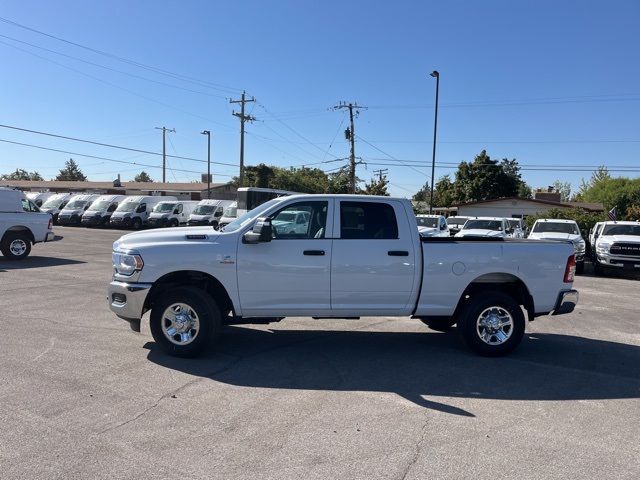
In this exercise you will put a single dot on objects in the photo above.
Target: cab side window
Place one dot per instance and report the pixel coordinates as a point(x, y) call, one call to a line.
point(179, 209)
point(303, 220)
point(28, 206)
point(367, 221)
point(142, 208)
point(112, 207)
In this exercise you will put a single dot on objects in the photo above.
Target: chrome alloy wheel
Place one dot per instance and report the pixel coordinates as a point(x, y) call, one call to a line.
point(18, 247)
point(494, 325)
point(180, 324)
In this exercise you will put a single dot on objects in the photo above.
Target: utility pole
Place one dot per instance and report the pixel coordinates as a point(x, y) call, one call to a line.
point(243, 118)
point(350, 134)
point(435, 74)
point(208, 134)
point(381, 172)
point(164, 150)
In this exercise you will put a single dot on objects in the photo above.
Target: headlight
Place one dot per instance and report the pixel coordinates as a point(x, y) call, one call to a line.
point(126, 263)
point(579, 247)
point(602, 247)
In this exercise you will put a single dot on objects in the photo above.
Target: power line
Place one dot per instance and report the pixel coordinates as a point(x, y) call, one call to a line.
point(161, 71)
point(390, 156)
point(542, 169)
point(350, 134)
point(108, 145)
point(243, 118)
point(88, 156)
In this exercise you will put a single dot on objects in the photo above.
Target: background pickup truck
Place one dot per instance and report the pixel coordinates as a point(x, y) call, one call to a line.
point(21, 224)
point(358, 256)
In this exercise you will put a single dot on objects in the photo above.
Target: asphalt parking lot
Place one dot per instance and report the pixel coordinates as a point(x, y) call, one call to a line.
point(82, 396)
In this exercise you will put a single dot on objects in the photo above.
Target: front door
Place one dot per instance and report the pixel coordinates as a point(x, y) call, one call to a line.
point(290, 275)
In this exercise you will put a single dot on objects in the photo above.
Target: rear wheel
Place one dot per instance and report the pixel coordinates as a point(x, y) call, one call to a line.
point(15, 246)
point(492, 324)
point(438, 324)
point(184, 321)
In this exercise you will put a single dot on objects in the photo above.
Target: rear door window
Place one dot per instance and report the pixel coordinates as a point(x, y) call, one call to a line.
point(367, 221)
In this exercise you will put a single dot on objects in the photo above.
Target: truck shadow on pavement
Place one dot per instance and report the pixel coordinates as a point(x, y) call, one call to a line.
point(417, 366)
point(35, 262)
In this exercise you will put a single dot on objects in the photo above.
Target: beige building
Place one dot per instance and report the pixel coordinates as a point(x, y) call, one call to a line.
point(183, 191)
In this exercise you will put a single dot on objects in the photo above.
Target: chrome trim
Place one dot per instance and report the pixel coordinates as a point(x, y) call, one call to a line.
point(567, 301)
point(135, 293)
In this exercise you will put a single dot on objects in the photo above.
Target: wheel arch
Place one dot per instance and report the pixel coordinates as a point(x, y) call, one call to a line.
point(506, 283)
point(193, 278)
point(20, 229)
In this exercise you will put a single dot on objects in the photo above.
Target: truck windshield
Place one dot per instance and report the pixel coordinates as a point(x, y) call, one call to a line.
point(164, 207)
point(76, 204)
point(621, 230)
point(456, 221)
point(242, 220)
point(556, 227)
point(52, 202)
point(230, 212)
point(483, 225)
point(101, 205)
point(127, 207)
point(427, 222)
point(204, 209)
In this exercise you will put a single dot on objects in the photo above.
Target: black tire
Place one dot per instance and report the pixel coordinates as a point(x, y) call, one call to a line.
point(204, 307)
point(12, 241)
point(580, 268)
point(173, 223)
point(438, 324)
point(470, 330)
point(598, 271)
point(136, 224)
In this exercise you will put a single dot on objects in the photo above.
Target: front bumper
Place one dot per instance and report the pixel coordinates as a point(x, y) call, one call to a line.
point(158, 222)
point(192, 223)
point(618, 261)
point(126, 300)
point(50, 237)
point(69, 219)
point(566, 302)
point(120, 221)
point(94, 220)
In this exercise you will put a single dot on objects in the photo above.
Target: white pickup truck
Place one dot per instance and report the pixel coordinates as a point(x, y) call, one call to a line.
point(358, 256)
point(21, 224)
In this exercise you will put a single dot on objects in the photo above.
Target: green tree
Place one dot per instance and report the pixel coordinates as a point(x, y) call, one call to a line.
point(564, 189)
point(486, 179)
point(71, 172)
point(620, 192)
point(524, 191)
point(338, 182)
point(423, 194)
point(21, 174)
point(443, 192)
point(376, 186)
point(142, 177)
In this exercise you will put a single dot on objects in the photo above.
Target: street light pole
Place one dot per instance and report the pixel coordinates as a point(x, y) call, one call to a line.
point(436, 75)
point(208, 134)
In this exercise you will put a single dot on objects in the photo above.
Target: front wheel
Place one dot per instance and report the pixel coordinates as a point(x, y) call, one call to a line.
point(173, 222)
point(136, 224)
point(184, 321)
point(492, 324)
point(15, 246)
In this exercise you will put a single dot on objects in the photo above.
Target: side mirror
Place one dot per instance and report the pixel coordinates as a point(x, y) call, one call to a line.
point(261, 232)
point(175, 212)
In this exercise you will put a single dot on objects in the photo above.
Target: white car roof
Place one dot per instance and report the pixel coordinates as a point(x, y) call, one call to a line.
point(625, 222)
point(555, 220)
point(487, 218)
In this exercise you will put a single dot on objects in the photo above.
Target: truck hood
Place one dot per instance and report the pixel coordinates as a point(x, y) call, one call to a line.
point(575, 238)
point(77, 211)
point(159, 215)
point(478, 232)
point(174, 236)
point(193, 216)
point(620, 238)
point(428, 231)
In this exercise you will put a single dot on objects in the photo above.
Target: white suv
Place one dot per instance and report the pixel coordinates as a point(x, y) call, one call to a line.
point(618, 246)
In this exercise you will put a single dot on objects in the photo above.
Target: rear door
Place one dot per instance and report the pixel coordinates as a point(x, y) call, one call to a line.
point(373, 265)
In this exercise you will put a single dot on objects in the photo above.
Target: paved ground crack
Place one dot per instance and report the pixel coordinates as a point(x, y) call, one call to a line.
point(418, 450)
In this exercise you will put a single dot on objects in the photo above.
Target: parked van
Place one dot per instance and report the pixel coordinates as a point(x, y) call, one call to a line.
point(55, 203)
point(171, 214)
point(72, 213)
point(208, 212)
point(99, 213)
point(38, 198)
point(229, 214)
point(133, 212)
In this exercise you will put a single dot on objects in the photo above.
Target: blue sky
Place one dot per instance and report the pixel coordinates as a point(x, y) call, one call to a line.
point(552, 84)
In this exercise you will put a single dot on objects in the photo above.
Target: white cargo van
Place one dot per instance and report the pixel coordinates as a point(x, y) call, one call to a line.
point(99, 213)
point(208, 212)
point(55, 203)
point(171, 214)
point(72, 213)
point(133, 212)
point(38, 198)
point(229, 214)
